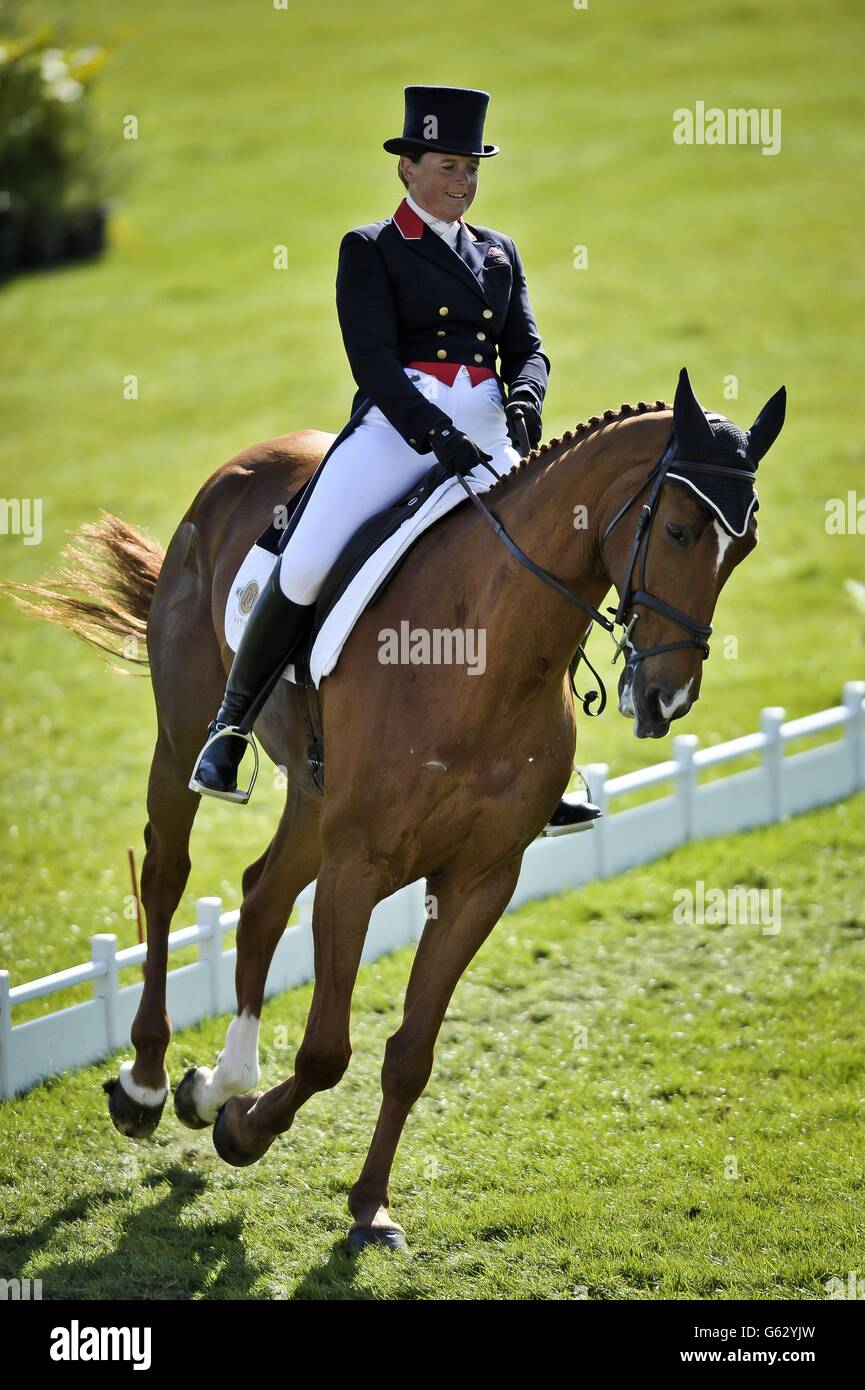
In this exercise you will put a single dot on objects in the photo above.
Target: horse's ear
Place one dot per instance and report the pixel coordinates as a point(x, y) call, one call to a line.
point(693, 431)
point(767, 426)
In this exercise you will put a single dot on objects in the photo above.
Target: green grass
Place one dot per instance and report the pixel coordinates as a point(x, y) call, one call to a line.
point(533, 1166)
point(267, 129)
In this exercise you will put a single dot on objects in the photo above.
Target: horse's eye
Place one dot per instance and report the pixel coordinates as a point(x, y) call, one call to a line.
point(677, 533)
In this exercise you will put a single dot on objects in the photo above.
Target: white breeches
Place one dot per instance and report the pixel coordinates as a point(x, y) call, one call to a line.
point(374, 467)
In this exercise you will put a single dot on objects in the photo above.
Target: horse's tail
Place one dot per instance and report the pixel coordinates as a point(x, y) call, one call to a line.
point(103, 590)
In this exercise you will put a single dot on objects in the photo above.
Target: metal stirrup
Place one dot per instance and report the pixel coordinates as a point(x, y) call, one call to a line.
point(240, 795)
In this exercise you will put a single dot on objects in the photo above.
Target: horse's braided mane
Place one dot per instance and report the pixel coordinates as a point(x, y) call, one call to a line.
point(580, 432)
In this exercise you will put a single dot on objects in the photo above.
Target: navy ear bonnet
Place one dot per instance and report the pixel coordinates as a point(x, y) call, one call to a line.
point(732, 499)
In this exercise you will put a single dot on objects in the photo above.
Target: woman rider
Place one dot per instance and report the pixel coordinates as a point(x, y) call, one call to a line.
point(424, 300)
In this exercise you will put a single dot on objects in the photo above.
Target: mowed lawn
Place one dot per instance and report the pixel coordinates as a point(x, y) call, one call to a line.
point(621, 1107)
point(530, 1166)
point(265, 128)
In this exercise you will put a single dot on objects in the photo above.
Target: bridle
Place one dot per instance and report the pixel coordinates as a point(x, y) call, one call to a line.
point(701, 632)
point(631, 597)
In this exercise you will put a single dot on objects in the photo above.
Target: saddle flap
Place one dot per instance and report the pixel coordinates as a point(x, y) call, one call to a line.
point(363, 569)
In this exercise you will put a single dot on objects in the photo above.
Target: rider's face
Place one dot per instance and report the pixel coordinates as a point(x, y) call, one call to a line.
point(443, 184)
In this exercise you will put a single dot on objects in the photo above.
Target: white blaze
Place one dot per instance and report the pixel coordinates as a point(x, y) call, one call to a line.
point(724, 539)
point(680, 698)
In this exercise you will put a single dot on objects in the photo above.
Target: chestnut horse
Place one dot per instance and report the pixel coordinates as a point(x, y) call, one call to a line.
point(430, 774)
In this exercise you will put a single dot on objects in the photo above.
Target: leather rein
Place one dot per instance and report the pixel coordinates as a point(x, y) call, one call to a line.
point(700, 632)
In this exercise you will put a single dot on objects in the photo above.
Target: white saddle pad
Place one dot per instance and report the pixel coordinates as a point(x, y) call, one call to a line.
point(259, 563)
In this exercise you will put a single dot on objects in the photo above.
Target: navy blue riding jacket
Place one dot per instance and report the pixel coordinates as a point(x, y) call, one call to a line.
point(403, 295)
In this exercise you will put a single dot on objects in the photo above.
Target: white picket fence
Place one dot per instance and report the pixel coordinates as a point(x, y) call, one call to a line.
point(780, 786)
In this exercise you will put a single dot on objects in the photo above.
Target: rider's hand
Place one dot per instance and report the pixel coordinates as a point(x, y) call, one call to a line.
point(455, 450)
point(532, 416)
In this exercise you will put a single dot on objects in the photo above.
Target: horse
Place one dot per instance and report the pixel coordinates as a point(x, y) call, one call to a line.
point(430, 774)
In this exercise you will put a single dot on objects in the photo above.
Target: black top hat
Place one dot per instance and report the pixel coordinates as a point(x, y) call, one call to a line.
point(449, 119)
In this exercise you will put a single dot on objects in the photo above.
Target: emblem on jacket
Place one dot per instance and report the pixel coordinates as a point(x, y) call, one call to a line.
point(497, 256)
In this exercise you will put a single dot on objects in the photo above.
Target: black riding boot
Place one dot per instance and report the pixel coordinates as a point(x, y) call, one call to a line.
point(572, 815)
point(573, 812)
point(273, 631)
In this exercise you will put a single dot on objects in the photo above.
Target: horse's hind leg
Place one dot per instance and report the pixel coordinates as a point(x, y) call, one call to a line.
point(465, 917)
point(137, 1097)
point(270, 887)
point(187, 675)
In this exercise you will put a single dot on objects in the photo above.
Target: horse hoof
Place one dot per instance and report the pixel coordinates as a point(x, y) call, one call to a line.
point(225, 1144)
point(130, 1117)
point(184, 1103)
point(388, 1237)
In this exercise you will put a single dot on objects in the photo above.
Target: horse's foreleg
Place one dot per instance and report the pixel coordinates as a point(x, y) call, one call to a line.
point(270, 887)
point(465, 915)
point(346, 892)
point(137, 1097)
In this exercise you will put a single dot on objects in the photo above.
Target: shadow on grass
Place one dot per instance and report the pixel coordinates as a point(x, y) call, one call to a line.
point(154, 1256)
point(335, 1279)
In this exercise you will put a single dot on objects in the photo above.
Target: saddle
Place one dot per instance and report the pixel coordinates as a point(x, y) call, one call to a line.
point(363, 544)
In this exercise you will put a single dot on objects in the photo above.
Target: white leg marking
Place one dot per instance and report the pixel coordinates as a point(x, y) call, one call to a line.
point(680, 698)
point(724, 539)
point(144, 1095)
point(236, 1068)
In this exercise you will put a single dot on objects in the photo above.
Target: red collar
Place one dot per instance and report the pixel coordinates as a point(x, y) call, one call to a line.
point(411, 226)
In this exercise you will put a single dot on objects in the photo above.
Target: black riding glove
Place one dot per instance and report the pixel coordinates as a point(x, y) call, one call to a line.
point(532, 417)
point(455, 450)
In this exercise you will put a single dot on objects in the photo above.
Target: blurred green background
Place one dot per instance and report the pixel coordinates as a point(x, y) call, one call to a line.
point(260, 127)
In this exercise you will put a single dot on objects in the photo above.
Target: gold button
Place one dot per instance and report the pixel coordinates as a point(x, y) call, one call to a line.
point(440, 333)
point(444, 309)
point(412, 441)
point(488, 313)
point(441, 353)
point(478, 357)
point(483, 337)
